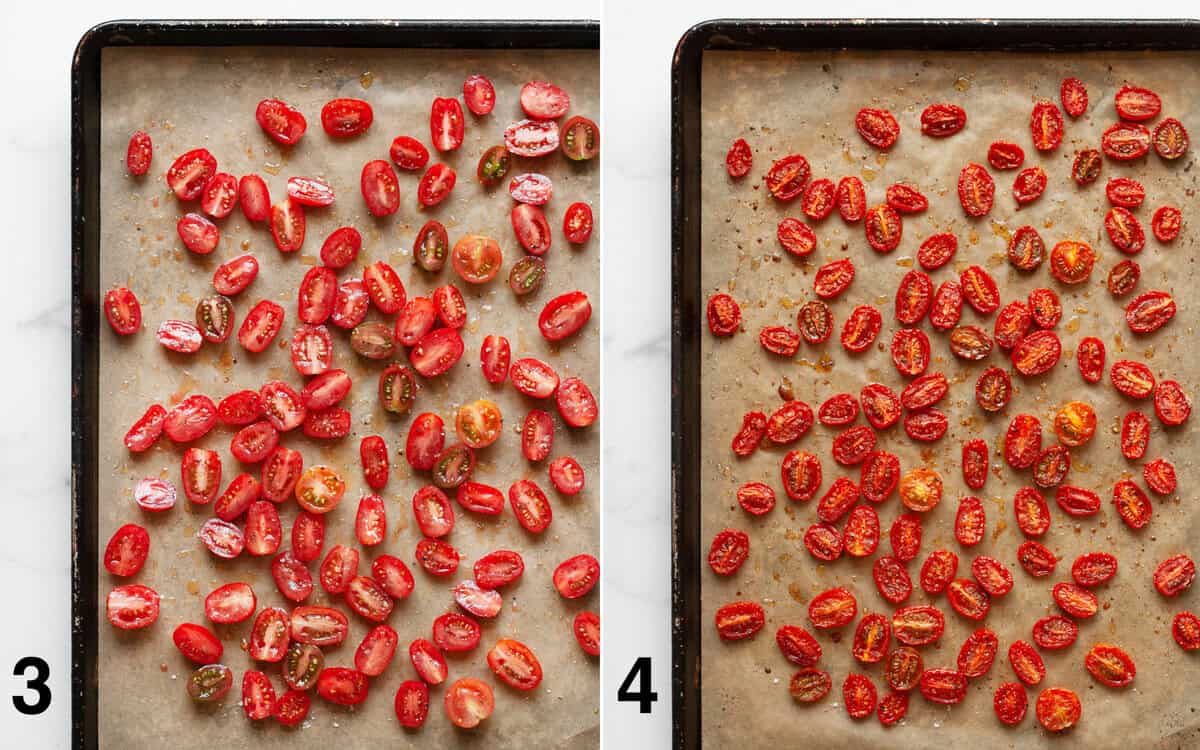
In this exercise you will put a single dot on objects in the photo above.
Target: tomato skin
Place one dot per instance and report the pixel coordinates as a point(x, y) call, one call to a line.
point(380, 188)
point(190, 172)
point(577, 223)
point(739, 159)
point(446, 124)
point(738, 621)
point(412, 704)
point(976, 190)
point(942, 120)
point(408, 153)
point(877, 127)
point(346, 118)
point(132, 606)
point(788, 176)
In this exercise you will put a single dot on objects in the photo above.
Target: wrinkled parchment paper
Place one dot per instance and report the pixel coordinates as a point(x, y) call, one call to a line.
point(187, 98)
point(783, 103)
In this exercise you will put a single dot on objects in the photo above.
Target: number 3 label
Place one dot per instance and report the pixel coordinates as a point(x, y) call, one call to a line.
point(37, 683)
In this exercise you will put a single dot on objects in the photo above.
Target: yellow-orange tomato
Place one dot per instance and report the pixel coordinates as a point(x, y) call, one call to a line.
point(1075, 423)
point(921, 489)
point(478, 423)
point(319, 489)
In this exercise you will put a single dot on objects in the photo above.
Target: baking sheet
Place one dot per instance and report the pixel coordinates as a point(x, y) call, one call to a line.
point(784, 102)
point(190, 97)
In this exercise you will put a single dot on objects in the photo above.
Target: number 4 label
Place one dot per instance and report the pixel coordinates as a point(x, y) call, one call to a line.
point(643, 696)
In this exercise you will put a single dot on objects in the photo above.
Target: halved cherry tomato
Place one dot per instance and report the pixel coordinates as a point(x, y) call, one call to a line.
point(534, 138)
point(788, 176)
point(913, 296)
point(269, 635)
point(918, 625)
point(446, 124)
point(945, 686)
point(190, 172)
point(946, 308)
point(288, 225)
point(739, 159)
point(345, 118)
point(904, 667)
point(468, 702)
point(478, 601)
point(1029, 185)
point(818, 199)
point(968, 599)
point(892, 580)
point(815, 320)
point(976, 190)
point(577, 576)
point(291, 578)
point(979, 290)
point(1037, 353)
point(139, 153)
point(436, 184)
point(425, 441)
point(738, 621)
point(231, 603)
point(566, 475)
point(530, 506)
point(1170, 139)
point(1077, 501)
point(756, 498)
point(374, 654)
point(580, 139)
point(1046, 125)
point(479, 94)
point(884, 228)
point(970, 521)
point(564, 315)
point(938, 571)
point(577, 223)
point(978, 652)
point(1159, 476)
point(264, 532)
point(970, 343)
point(480, 498)
point(374, 340)
point(494, 357)
point(127, 550)
point(179, 336)
point(858, 693)
point(801, 472)
point(258, 696)
point(1132, 504)
point(308, 536)
point(941, 120)
point(222, 538)
point(851, 199)
point(201, 475)
point(991, 575)
point(810, 685)
point(861, 328)
point(209, 683)
point(1005, 155)
point(1074, 96)
point(393, 576)
point(1126, 141)
point(123, 311)
point(824, 542)
point(879, 475)
point(1135, 435)
point(1055, 632)
point(921, 489)
point(280, 472)
point(861, 537)
point(1185, 628)
point(408, 153)
point(214, 318)
point(319, 489)
point(514, 663)
point(498, 568)
point(242, 491)
point(798, 646)
point(312, 349)
point(345, 687)
point(412, 704)
point(1174, 575)
point(877, 127)
point(906, 199)
point(937, 250)
point(220, 196)
point(536, 378)
point(380, 188)
point(1086, 168)
point(1026, 249)
point(433, 512)
point(368, 599)
point(370, 522)
point(455, 633)
point(1166, 224)
point(910, 351)
point(260, 326)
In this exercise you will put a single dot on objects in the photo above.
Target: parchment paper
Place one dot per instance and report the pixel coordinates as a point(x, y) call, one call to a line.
point(783, 103)
point(187, 98)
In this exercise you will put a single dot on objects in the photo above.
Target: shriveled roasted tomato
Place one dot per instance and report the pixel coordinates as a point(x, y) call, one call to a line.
point(941, 120)
point(818, 199)
point(1126, 141)
point(979, 290)
point(728, 551)
point(975, 463)
point(1072, 262)
point(788, 176)
point(1185, 628)
point(809, 685)
point(756, 498)
point(906, 199)
point(884, 228)
point(881, 405)
point(991, 575)
point(1037, 353)
point(970, 343)
point(861, 328)
point(1077, 501)
point(739, 620)
point(789, 422)
point(779, 340)
point(1029, 185)
point(1036, 559)
point(937, 250)
point(1046, 125)
point(1026, 249)
point(837, 500)
point(859, 696)
point(976, 190)
point(796, 237)
point(978, 653)
point(905, 536)
point(1132, 504)
point(1055, 632)
point(833, 608)
point(968, 599)
point(1010, 703)
point(970, 522)
point(739, 159)
point(910, 351)
point(1174, 575)
point(1087, 165)
point(1075, 600)
point(1032, 511)
point(1166, 224)
point(921, 489)
point(852, 446)
point(1026, 663)
point(913, 296)
point(1074, 96)
point(839, 410)
point(1013, 322)
point(1135, 435)
point(801, 473)
point(1133, 379)
point(946, 309)
point(851, 199)
point(1089, 355)
point(1159, 476)
point(938, 571)
point(903, 669)
point(877, 127)
point(918, 625)
point(894, 584)
point(861, 537)
point(1094, 569)
point(1005, 155)
point(1171, 139)
point(833, 278)
point(724, 315)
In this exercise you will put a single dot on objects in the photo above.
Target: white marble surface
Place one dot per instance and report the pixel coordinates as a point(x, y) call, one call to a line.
point(36, 42)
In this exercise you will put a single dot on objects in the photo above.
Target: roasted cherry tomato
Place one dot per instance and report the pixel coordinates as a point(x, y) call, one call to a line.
point(877, 127)
point(739, 159)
